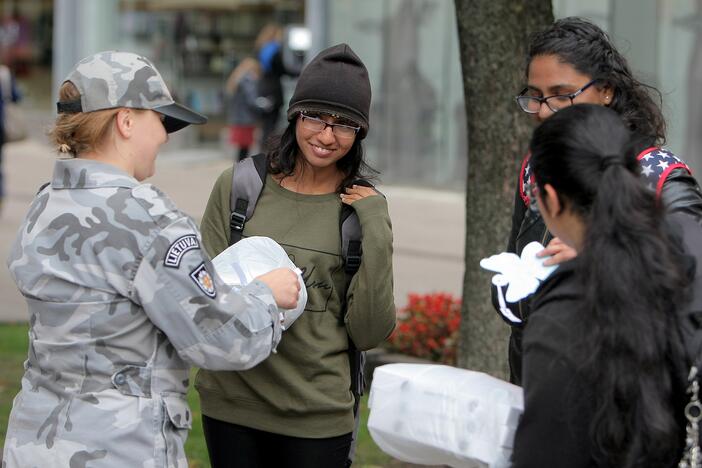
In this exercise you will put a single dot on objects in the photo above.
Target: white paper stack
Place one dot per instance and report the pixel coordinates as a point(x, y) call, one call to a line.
point(441, 415)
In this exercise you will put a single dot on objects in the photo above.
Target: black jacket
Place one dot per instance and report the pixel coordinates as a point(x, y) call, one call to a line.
point(680, 194)
point(558, 401)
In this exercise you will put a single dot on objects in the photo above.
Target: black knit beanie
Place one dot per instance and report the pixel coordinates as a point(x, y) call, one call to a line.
point(334, 82)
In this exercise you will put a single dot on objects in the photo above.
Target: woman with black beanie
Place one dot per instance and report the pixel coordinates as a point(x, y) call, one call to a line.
point(604, 371)
point(296, 409)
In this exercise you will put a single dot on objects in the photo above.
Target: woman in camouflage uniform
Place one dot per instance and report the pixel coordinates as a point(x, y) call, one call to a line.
point(121, 296)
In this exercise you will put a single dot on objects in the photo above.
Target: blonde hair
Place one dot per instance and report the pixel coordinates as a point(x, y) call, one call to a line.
point(81, 132)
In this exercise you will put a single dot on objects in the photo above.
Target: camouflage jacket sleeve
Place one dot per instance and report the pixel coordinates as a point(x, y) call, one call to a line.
point(210, 324)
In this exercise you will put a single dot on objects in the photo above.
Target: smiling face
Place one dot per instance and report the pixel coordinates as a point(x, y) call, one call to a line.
point(322, 149)
point(549, 76)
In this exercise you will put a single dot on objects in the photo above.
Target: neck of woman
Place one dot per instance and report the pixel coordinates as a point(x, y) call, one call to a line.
point(310, 180)
point(113, 158)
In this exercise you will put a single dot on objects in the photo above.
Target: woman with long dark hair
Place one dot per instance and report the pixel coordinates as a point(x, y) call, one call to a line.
point(602, 352)
point(296, 409)
point(573, 61)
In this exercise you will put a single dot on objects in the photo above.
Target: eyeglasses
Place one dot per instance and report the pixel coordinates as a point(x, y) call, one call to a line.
point(533, 191)
point(315, 124)
point(532, 104)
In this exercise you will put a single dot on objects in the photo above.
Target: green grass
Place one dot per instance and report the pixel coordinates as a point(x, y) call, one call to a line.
point(13, 352)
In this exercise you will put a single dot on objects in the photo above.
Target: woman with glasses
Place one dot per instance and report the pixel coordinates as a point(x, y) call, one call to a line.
point(571, 62)
point(604, 372)
point(296, 409)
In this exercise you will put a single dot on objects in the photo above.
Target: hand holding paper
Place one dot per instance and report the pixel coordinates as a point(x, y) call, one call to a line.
point(254, 256)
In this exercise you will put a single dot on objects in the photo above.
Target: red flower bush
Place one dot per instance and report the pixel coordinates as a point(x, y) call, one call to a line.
point(428, 327)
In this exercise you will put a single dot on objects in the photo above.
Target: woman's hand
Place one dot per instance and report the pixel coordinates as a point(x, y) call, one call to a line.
point(357, 192)
point(284, 285)
point(558, 252)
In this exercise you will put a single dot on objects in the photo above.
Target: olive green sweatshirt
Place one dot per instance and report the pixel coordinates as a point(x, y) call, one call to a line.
point(304, 389)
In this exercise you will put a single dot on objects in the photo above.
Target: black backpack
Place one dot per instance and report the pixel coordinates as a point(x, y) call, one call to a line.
point(248, 179)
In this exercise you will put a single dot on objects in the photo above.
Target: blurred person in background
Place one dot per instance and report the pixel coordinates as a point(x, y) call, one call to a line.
point(269, 52)
point(8, 93)
point(243, 111)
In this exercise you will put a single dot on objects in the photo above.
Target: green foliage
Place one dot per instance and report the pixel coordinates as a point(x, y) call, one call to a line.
point(13, 352)
point(427, 328)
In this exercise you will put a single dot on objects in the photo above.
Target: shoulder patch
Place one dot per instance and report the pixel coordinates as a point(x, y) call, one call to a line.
point(179, 248)
point(203, 280)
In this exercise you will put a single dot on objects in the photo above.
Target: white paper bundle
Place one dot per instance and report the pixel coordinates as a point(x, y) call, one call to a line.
point(441, 415)
point(254, 256)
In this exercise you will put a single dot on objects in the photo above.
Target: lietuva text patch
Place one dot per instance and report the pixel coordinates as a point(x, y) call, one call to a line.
point(204, 280)
point(178, 249)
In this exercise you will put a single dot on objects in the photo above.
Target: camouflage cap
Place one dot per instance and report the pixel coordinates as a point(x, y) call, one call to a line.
point(113, 79)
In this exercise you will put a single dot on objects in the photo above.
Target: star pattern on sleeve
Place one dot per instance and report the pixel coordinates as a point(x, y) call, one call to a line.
point(660, 162)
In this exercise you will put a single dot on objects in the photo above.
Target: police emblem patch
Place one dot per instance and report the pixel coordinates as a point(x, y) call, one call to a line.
point(204, 280)
point(179, 248)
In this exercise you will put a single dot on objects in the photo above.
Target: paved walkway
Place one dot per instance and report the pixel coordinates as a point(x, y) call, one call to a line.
point(428, 225)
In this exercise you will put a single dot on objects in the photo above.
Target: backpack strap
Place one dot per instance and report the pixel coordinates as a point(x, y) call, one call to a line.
point(351, 235)
point(350, 229)
point(248, 178)
point(357, 358)
point(351, 252)
point(656, 164)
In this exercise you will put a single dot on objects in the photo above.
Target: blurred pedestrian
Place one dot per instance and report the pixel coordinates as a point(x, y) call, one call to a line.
point(8, 93)
point(268, 47)
point(243, 111)
point(603, 361)
point(296, 408)
point(573, 61)
point(122, 298)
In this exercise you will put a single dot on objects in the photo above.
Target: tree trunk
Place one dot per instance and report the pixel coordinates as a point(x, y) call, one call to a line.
point(493, 36)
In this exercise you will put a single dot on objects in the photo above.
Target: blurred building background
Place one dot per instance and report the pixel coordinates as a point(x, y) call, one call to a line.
point(410, 47)
point(417, 138)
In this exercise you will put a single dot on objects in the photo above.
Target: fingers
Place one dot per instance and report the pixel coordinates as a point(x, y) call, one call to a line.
point(557, 253)
point(356, 192)
point(552, 248)
point(285, 286)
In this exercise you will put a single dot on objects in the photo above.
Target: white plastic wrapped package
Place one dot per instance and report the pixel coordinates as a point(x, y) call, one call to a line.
point(254, 256)
point(441, 415)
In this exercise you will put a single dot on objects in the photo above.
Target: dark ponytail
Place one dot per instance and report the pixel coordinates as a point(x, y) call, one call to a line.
point(589, 50)
point(632, 271)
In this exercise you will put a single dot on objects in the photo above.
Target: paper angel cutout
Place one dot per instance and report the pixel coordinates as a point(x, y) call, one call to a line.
point(522, 275)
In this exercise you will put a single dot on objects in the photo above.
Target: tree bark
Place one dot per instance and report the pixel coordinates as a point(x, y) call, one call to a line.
point(493, 36)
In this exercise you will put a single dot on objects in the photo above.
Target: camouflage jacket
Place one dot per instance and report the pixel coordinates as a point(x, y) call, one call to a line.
point(122, 299)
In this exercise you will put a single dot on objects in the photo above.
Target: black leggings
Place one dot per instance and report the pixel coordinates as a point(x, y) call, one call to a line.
point(234, 446)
